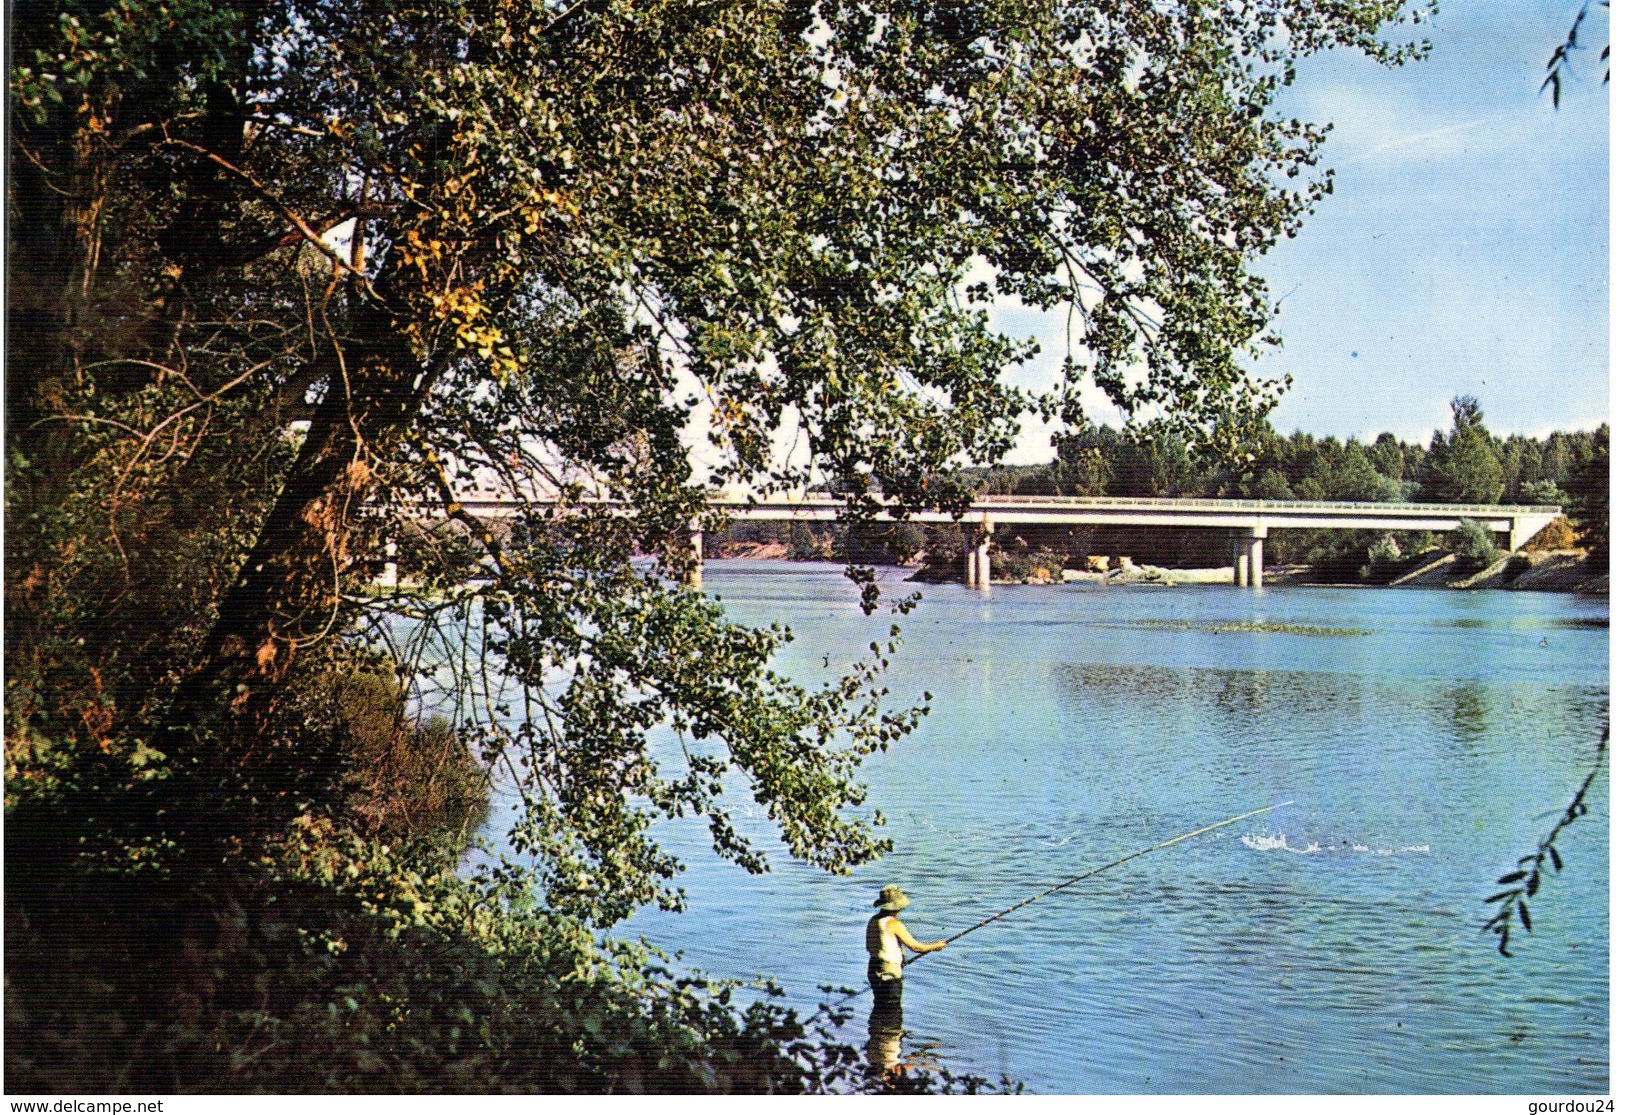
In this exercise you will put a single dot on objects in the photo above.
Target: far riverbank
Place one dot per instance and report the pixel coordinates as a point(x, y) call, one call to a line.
point(1542, 571)
point(1558, 570)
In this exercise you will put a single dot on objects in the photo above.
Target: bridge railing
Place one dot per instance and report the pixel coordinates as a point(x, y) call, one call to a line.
point(1198, 504)
point(1155, 502)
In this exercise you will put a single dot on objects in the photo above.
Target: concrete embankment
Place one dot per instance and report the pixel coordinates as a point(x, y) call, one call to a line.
point(1541, 571)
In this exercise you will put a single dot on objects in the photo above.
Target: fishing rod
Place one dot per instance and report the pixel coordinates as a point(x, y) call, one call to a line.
point(1099, 871)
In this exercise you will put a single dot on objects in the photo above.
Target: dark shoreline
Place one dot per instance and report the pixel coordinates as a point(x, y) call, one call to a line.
point(1542, 571)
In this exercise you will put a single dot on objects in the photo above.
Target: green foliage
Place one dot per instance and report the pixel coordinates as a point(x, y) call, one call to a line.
point(551, 222)
point(405, 775)
point(1523, 882)
point(1473, 546)
point(331, 964)
point(809, 545)
point(1463, 467)
point(1541, 493)
point(1027, 565)
point(1337, 556)
point(1097, 460)
point(1383, 560)
point(1590, 484)
point(1100, 461)
point(868, 543)
point(1272, 484)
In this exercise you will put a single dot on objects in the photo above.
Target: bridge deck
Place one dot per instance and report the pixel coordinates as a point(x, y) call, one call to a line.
point(1220, 513)
point(1518, 522)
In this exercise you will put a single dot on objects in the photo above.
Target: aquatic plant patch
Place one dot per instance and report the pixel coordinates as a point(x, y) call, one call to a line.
point(1252, 626)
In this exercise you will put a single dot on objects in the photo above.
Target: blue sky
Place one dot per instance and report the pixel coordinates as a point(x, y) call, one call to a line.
point(1464, 249)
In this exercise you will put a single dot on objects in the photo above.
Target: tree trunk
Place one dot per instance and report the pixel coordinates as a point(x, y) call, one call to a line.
point(287, 592)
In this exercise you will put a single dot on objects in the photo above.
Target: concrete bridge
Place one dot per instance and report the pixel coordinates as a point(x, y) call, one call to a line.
point(1249, 521)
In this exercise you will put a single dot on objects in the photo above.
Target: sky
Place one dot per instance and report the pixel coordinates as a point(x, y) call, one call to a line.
point(1464, 250)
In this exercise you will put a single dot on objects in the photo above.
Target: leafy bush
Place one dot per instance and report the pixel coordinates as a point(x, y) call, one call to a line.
point(1473, 546)
point(810, 544)
point(896, 543)
point(370, 979)
point(1383, 560)
point(1044, 565)
point(1542, 492)
point(329, 962)
point(405, 775)
point(1338, 560)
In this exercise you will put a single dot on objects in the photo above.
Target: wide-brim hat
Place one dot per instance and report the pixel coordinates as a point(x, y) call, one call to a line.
point(892, 899)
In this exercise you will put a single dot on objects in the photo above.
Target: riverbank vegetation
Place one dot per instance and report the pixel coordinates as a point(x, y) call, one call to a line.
point(288, 280)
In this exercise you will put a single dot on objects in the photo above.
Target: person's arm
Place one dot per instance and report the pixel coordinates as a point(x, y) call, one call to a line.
point(907, 938)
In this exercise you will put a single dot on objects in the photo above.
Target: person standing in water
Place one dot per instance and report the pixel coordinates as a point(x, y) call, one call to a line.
point(885, 937)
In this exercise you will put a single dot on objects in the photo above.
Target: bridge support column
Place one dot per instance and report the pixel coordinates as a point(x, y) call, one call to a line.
point(1238, 558)
point(696, 575)
point(1255, 555)
point(979, 556)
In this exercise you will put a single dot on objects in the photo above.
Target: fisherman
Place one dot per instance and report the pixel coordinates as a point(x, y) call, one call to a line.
point(885, 938)
point(886, 933)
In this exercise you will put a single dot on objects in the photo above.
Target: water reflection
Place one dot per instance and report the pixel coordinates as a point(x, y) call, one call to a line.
point(1469, 714)
point(896, 1064)
point(886, 1027)
point(1242, 691)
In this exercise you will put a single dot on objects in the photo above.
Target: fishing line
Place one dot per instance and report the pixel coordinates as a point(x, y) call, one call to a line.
point(1088, 875)
point(1099, 871)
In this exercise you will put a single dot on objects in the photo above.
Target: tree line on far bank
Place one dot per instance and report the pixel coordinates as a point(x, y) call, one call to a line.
point(1462, 464)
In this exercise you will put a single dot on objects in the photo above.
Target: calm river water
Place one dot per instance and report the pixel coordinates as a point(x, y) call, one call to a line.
point(1330, 946)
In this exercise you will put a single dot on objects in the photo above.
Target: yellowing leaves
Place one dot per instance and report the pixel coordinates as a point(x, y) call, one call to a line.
point(543, 205)
point(422, 252)
point(729, 413)
point(464, 309)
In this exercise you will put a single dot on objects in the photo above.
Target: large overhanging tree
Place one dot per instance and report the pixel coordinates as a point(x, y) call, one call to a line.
point(289, 276)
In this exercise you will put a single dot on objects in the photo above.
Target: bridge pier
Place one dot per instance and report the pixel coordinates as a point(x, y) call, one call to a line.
point(695, 577)
point(1247, 552)
point(979, 555)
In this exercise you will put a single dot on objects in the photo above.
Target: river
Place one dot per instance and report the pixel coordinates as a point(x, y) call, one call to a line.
point(1425, 739)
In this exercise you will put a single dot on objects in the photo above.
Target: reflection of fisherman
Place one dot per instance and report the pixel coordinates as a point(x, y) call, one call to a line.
point(885, 938)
